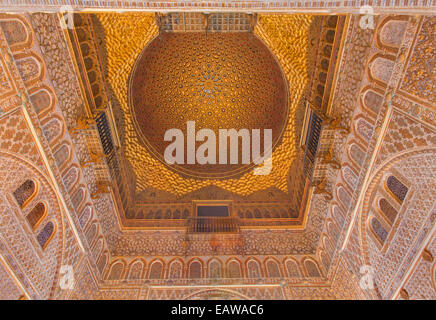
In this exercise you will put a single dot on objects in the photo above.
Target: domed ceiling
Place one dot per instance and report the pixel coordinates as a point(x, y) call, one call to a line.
point(218, 80)
point(253, 64)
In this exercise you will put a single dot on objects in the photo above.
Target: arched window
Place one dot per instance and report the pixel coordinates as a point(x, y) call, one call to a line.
point(25, 193)
point(84, 217)
point(158, 214)
point(273, 269)
point(168, 214)
point(91, 233)
point(292, 267)
point(388, 211)
point(116, 271)
point(328, 247)
point(253, 269)
point(185, 214)
point(176, 214)
point(325, 260)
point(234, 269)
point(195, 270)
point(357, 154)
point(136, 270)
point(46, 234)
point(398, 189)
point(378, 230)
point(36, 215)
point(175, 270)
point(102, 262)
point(155, 270)
point(333, 231)
point(98, 247)
point(312, 268)
point(214, 270)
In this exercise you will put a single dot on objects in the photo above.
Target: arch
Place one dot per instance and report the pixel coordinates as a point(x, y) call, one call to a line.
point(343, 196)
point(26, 192)
point(186, 214)
point(91, 233)
point(46, 234)
point(377, 229)
point(97, 247)
point(177, 214)
point(31, 67)
point(253, 268)
point(363, 129)
point(349, 176)
point(62, 155)
point(325, 260)
point(329, 249)
point(215, 268)
point(396, 188)
point(374, 184)
point(272, 268)
point(338, 216)
point(136, 269)
point(371, 100)
point(21, 168)
point(390, 33)
point(356, 154)
point(43, 100)
point(332, 230)
point(387, 211)
point(311, 267)
point(78, 197)
point(241, 214)
point(195, 269)
point(37, 214)
point(234, 269)
point(116, 270)
point(292, 268)
point(17, 31)
point(53, 129)
point(85, 216)
point(102, 261)
point(168, 214)
point(155, 269)
point(176, 269)
point(71, 177)
point(380, 68)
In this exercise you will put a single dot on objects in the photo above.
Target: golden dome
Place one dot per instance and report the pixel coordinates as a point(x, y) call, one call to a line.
point(218, 80)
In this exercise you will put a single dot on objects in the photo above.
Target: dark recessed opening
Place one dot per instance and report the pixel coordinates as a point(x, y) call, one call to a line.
point(212, 211)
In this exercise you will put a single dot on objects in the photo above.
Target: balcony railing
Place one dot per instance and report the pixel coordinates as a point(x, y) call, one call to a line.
point(213, 225)
point(313, 128)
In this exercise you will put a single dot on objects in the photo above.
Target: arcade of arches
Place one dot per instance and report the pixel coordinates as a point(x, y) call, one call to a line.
point(347, 212)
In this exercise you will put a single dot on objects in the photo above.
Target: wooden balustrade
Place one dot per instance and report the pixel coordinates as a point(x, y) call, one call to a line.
point(213, 225)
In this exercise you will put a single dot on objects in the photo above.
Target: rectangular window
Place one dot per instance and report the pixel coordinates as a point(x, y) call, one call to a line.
point(212, 211)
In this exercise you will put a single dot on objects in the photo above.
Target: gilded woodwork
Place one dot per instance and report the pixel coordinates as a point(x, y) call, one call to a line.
point(287, 38)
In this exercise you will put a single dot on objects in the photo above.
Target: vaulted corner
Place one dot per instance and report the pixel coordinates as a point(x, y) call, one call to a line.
point(217, 152)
